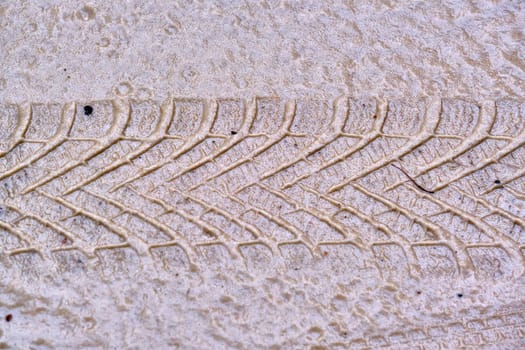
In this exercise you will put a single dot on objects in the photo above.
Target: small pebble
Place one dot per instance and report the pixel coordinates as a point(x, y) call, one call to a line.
point(88, 110)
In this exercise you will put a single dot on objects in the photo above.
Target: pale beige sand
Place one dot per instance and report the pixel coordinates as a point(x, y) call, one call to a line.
point(134, 216)
point(71, 51)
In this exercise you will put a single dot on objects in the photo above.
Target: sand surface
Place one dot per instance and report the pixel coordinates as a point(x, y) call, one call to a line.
point(277, 174)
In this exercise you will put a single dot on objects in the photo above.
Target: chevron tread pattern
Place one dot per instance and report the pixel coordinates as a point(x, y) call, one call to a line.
point(431, 188)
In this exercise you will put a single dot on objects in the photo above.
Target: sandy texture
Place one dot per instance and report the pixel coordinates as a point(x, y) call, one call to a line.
point(71, 51)
point(345, 208)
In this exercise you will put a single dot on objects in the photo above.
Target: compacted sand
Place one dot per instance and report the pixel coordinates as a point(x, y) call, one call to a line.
point(246, 175)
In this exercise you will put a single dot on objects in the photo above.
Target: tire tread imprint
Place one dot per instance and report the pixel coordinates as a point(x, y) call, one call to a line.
point(189, 172)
